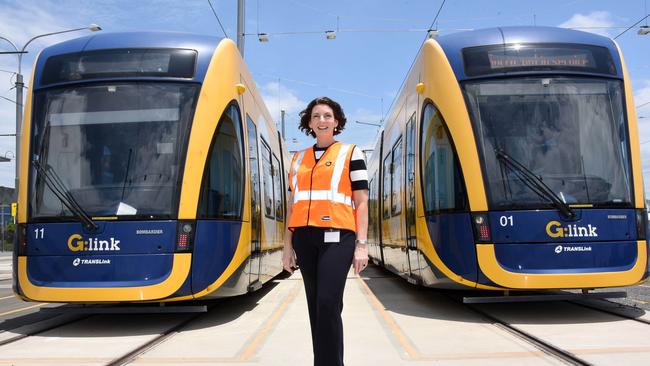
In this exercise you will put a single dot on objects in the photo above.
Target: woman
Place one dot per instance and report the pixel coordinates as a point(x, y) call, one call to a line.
point(328, 223)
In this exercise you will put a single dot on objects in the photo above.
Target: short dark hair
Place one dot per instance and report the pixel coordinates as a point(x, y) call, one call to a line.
point(305, 115)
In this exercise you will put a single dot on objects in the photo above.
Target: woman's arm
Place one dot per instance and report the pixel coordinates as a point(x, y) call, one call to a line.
point(288, 256)
point(360, 198)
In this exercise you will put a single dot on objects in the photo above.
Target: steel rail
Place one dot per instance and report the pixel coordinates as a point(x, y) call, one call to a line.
point(18, 337)
point(611, 312)
point(133, 354)
point(548, 348)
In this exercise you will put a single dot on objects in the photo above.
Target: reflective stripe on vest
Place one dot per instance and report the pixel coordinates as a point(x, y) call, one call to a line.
point(322, 196)
point(294, 179)
point(317, 200)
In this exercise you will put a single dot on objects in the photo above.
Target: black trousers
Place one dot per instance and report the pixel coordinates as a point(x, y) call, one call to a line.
point(324, 268)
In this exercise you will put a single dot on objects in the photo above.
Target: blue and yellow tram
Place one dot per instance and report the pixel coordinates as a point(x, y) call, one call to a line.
point(510, 160)
point(150, 170)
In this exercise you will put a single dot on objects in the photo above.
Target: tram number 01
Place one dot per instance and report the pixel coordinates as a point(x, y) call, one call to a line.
point(506, 221)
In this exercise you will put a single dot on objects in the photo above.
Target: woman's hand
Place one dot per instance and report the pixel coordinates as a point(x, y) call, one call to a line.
point(360, 261)
point(288, 258)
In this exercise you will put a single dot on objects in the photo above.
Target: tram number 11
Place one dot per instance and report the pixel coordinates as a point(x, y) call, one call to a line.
point(506, 221)
point(40, 232)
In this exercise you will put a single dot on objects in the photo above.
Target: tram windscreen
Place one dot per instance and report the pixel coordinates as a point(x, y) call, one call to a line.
point(569, 132)
point(117, 148)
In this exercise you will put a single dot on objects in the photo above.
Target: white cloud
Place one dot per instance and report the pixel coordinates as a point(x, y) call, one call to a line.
point(18, 26)
point(594, 22)
point(362, 134)
point(18, 22)
point(277, 97)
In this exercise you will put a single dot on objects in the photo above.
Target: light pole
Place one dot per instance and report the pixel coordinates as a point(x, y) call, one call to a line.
point(19, 86)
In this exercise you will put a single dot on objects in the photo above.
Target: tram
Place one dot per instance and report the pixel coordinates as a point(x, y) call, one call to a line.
point(510, 160)
point(150, 170)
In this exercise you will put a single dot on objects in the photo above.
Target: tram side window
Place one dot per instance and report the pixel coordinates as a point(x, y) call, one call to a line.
point(442, 182)
point(267, 171)
point(254, 169)
point(277, 189)
point(222, 190)
point(372, 207)
point(385, 189)
point(396, 180)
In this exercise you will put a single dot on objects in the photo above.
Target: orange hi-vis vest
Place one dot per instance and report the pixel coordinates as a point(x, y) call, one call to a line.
point(322, 192)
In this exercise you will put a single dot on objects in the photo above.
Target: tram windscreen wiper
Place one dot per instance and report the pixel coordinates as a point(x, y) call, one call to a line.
point(534, 182)
point(56, 185)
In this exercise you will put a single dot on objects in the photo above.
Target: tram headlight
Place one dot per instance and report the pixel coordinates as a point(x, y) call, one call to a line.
point(184, 236)
point(641, 223)
point(481, 228)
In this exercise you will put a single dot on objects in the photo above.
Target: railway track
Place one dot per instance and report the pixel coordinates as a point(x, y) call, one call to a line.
point(128, 357)
point(149, 331)
point(615, 309)
point(39, 326)
point(556, 352)
point(529, 336)
point(548, 347)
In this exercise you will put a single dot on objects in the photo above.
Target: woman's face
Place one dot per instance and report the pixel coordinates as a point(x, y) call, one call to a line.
point(322, 121)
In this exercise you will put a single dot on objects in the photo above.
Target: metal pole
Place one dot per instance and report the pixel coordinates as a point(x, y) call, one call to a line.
point(240, 27)
point(19, 118)
point(282, 122)
point(2, 217)
point(19, 91)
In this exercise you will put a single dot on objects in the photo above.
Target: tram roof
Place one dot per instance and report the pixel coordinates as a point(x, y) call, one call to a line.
point(453, 44)
point(203, 44)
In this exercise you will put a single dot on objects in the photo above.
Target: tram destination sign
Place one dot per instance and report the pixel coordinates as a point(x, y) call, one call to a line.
point(504, 60)
point(537, 57)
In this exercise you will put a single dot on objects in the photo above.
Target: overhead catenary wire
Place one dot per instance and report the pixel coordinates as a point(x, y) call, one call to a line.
point(7, 99)
point(437, 14)
point(633, 25)
point(642, 105)
point(307, 83)
point(383, 117)
point(352, 30)
point(218, 20)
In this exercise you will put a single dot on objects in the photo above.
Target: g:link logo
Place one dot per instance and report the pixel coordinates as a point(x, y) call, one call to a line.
point(76, 243)
point(554, 229)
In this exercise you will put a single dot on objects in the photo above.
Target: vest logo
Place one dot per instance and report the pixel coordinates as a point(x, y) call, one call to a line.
point(77, 243)
point(554, 229)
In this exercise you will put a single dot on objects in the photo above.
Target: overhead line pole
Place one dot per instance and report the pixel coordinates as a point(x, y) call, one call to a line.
point(240, 26)
point(19, 84)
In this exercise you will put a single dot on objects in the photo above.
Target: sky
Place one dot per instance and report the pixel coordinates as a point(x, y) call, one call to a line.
point(362, 68)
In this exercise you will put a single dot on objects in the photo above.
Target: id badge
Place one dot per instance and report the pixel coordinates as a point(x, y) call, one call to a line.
point(332, 236)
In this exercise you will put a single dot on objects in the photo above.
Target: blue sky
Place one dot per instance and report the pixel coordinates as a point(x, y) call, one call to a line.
point(362, 68)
